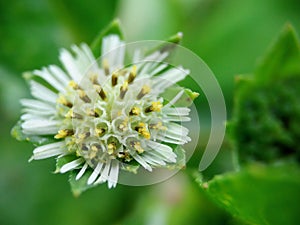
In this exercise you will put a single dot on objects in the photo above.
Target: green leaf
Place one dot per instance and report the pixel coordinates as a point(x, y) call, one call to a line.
point(259, 194)
point(168, 45)
point(186, 98)
point(113, 28)
point(176, 38)
point(18, 134)
point(266, 112)
point(283, 58)
point(79, 186)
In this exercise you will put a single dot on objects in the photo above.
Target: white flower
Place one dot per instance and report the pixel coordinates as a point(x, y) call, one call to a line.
point(107, 116)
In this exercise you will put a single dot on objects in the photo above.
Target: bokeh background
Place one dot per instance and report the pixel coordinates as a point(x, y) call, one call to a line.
point(229, 35)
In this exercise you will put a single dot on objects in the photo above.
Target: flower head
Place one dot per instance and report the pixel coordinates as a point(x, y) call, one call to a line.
point(104, 115)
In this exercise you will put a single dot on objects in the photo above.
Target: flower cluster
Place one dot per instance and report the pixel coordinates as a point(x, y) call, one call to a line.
point(106, 115)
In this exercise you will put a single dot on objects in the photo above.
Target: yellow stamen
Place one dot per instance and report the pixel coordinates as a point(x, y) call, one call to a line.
point(105, 66)
point(100, 91)
point(99, 131)
point(69, 114)
point(62, 100)
point(63, 133)
point(123, 89)
point(157, 126)
point(83, 136)
point(155, 107)
point(83, 96)
point(142, 129)
point(135, 111)
point(146, 134)
point(121, 155)
point(124, 86)
point(114, 79)
point(94, 78)
point(137, 146)
point(73, 85)
point(92, 112)
point(111, 148)
point(132, 74)
point(123, 126)
point(145, 90)
point(93, 152)
point(125, 155)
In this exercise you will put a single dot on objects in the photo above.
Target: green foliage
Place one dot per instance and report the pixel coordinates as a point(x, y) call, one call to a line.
point(259, 194)
point(113, 28)
point(79, 186)
point(265, 128)
point(266, 119)
point(282, 59)
point(266, 123)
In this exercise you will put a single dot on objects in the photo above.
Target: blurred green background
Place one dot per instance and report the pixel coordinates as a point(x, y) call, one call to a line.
point(229, 35)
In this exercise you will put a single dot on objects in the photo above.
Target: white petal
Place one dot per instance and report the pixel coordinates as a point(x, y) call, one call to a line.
point(37, 108)
point(150, 62)
point(95, 173)
point(157, 61)
point(168, 78)
point(176, 137)
point(177, 119)
point(174, 127)
point(169, 140)
point(40, 126)
point(81, 172)
point(86, 49)
point(41, 92)
point(175, 99)
point(163, 150)
point(59, 74)
point(35, 113)
point(77, 65)
point(84, 58)
point(158, 69)
point(159, 147)
point(113, 175)
point(36, 104)
point(70, 65)
point(137, 56)
point(141, 161)
point(166, 157)
point(153, 160)
point(71, 165)
point(177, 128)
point(113, 49)
point(28, 116)
point(47, 76)
point(104, 174)
point(49, 150)
point(177, 111)
point(176, 132)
